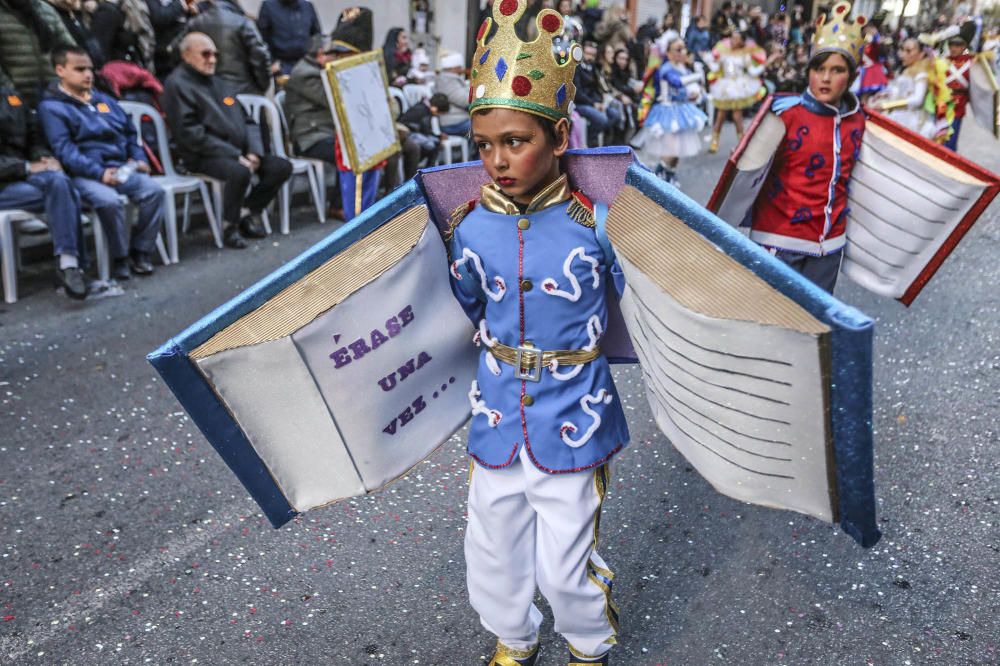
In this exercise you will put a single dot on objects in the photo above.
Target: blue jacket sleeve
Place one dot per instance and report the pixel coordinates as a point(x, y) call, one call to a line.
point(57, 130)
point(465, 283)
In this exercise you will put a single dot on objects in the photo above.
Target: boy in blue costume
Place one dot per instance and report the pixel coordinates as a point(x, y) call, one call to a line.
point(530, 264)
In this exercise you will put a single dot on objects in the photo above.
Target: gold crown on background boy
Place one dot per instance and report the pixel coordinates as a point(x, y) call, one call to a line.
point(511, 74)
point(836, 33)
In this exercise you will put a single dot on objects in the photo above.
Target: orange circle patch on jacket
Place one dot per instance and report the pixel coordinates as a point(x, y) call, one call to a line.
point(228, 101)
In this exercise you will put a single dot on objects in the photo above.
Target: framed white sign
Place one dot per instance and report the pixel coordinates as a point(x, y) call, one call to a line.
point(358, 91)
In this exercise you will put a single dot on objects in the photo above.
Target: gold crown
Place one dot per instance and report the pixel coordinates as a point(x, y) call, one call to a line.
point(508, 73)
point(835, 33)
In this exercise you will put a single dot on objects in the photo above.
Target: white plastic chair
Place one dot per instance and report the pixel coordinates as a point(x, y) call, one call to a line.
point(452, 142)
point(171, 181)
point(318, 165)
point(256, 106)
point(400, 97)
point(9, 253)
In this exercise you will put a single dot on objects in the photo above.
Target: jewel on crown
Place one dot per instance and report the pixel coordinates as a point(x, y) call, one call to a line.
point(510, 73)
point(837, 33)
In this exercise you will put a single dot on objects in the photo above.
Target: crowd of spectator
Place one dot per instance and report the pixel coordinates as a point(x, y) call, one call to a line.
point(74, 60)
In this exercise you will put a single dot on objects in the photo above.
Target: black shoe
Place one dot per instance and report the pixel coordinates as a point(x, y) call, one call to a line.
point(73, 281)
point(506, 656)
point(576, 659)
point(251, 228)
point(232, 237)
point(140, 264)
point(121, 271)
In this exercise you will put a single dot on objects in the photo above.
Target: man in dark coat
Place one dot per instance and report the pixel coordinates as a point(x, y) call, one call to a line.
point(286, 26)
point(244, 61)
point(168, 18)
point(31, 179)
point(215, 136)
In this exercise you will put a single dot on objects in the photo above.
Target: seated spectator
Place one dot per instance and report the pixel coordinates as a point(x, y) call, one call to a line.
point(286, 26)
point(589, 97)
point(451, 83)
point(77, 23)
point(310, 123)
point(215, 136)
point(96, 143)
point(168, 18)
point(397, 55)
point(420, 71)
point(30, 28)
point(124, 31)
point(422, 142)
point(244, 61)
point(31, 179)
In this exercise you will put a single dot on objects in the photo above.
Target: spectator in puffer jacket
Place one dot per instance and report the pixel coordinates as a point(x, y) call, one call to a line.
point(29, 29)
point(286, 26)
point(96, 143)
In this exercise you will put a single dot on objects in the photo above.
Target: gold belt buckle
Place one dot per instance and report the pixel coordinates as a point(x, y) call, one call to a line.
point(534, 371)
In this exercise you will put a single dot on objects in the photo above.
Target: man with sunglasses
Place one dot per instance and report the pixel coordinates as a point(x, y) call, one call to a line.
point(215, 136)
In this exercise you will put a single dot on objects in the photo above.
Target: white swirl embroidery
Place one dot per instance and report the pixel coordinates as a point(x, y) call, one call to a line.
point(477, 263)
point(568, 427)
point(550, 286)
point(493, 417)
point(594, 332)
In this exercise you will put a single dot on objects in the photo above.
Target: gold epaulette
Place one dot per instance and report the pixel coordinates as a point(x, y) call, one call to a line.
point(457, 216)
point(581, 209)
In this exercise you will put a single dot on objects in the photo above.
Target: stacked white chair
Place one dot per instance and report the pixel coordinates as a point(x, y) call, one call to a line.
point(260, 108)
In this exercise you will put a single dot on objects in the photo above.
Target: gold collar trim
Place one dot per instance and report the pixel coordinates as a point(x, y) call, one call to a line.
point(495, 201)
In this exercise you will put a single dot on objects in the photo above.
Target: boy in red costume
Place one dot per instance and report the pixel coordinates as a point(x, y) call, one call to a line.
point(800, 214)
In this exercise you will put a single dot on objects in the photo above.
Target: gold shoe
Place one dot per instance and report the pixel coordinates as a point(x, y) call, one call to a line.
point(714, 146)
point(508, 656)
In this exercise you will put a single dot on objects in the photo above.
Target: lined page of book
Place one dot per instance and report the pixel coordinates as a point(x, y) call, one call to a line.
point(736, 373)
point(903, 205)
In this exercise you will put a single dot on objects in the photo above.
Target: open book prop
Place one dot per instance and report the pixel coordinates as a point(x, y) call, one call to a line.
point(984, 94)
point(910, 201)
point(345, 368)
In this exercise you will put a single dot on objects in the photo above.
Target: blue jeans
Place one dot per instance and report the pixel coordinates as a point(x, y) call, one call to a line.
point(50, 192)
point(597, 122)
point(458, 129)
point(140, 190)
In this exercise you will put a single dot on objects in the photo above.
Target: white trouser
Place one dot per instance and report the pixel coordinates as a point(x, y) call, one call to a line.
point(529, 528)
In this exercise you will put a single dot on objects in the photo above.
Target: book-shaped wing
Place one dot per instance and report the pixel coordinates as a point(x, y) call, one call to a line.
point(910, 203)
point(339, 372)
point(984, 94)
point(747, 169)
point(740, 356)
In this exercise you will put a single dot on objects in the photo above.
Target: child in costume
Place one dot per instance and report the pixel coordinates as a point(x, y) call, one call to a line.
point(957, 76)
point(530, 265)
point(801, 212)
point(917, 97)
point(671, 130)
point(734, 81)
point(872, 77)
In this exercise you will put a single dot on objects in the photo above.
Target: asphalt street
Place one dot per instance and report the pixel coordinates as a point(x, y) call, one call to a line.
point(124, 539)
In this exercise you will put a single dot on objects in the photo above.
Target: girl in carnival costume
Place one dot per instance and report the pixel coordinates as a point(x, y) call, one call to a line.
point(671, 130)
point(872, 77)
point(530, 266)
point(801, 212)
point(734, 81)
point(918, 98)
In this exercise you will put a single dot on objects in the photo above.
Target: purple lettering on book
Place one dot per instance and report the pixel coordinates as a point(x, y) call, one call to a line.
point(389, 381)
point(406, 415)
point(376, 338)
point(340, 357)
